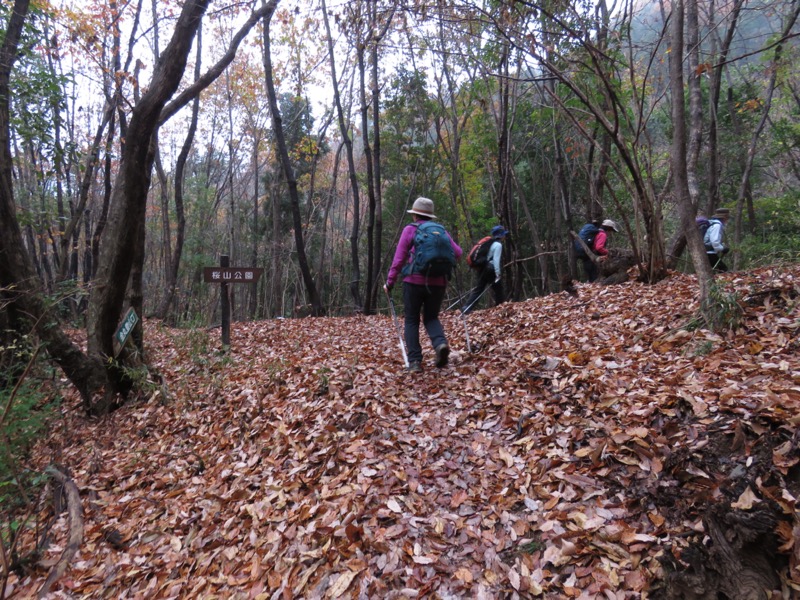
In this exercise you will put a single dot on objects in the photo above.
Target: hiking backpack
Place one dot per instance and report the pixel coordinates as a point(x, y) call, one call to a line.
point(479, 255)
point(704, 231)
point(433, 252)
point(587, 234)
point(702, 224)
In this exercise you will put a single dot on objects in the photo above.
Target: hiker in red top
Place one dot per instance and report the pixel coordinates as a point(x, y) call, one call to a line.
point(602, 237)
point(597, 238)
point(422, 292)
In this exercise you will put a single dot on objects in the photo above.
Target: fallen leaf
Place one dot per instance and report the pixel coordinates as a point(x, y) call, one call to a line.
point(341, 584)
point(746, 500)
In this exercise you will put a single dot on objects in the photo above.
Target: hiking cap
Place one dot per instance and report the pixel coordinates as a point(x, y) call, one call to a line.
point(609, 224)
point(499, 232)
point(423, 207)
point(722, 213)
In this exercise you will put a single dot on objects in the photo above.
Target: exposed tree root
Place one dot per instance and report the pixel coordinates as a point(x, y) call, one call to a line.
point(75, 511)
point(737, 562)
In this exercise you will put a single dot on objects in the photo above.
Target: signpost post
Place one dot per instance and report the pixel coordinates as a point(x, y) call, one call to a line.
point(225, 274)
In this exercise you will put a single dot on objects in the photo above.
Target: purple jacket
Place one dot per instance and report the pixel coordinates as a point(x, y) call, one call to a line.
point(405, 253)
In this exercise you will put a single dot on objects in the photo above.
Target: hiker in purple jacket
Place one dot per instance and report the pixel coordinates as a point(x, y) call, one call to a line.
point(421, 293)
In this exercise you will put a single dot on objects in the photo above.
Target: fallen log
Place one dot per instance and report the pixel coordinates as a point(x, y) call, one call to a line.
point(75, 512)
point(738, 562)
point(614, 267)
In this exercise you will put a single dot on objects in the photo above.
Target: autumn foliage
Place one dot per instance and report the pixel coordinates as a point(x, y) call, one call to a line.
point(583, 449)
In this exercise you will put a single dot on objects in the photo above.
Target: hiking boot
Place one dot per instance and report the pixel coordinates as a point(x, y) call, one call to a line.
point(442, 355)
point(415, 367)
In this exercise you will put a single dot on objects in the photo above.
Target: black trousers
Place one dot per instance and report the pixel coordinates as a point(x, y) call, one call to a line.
point(716, 262)
point(484, 278)
point(426, 301)
point(589, 268)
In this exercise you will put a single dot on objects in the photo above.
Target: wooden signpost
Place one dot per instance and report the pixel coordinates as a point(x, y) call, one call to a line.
point(225, 274)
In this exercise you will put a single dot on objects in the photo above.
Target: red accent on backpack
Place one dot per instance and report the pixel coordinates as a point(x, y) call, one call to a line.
point(479, 254)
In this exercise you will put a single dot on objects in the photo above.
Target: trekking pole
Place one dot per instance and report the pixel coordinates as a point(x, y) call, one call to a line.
point(464, 318)
point(397, 327)
point(466, 331)
point(459, 300)
point(474, 302)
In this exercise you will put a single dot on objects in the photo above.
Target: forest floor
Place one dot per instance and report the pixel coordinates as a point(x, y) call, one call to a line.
point(581, 450)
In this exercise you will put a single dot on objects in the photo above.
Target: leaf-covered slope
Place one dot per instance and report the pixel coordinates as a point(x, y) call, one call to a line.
point(573, 453)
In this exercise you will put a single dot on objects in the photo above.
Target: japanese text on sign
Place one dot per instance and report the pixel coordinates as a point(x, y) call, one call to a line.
point(231, 274)
point(125, 328)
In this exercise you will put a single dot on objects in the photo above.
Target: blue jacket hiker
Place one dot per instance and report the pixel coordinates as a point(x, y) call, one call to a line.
point(489, 272)
point(423, 285)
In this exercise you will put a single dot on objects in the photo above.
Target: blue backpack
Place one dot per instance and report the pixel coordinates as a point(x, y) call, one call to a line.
point(433, 252)
point(587, 234)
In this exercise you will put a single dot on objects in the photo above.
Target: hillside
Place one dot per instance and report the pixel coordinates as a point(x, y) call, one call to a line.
point(588, 447)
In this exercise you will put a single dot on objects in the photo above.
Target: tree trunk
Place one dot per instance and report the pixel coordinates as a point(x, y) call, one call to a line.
point(361, 50)
point(89, 166)
point(253, 312)
point(678, 158)
point(355, 289)
point(504, 167)
point(107, 187)
point(695, 133)
point(602, 147)
point(129, 194)
point(326, 215)
point(28, 309)
point(166, 233)
point(678, 241)
point(180, 213)
point(289, 176)
point(372, 152)
point(375, 278)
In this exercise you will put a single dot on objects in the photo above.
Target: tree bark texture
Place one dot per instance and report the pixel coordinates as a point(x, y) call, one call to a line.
point(678, 157)
point(739, 561)
point(129, 195)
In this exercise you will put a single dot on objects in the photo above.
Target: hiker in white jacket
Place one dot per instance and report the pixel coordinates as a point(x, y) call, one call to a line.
point(490, 273)
point(715, 249)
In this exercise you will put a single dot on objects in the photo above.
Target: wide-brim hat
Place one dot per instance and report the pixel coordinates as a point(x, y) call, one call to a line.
point(609, 224)
point(721, 213)
point(423, 207)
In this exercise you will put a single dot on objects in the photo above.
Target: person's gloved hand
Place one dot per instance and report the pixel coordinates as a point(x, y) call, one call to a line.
point(497, 280)
point(725, 250)
point(387, 288)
